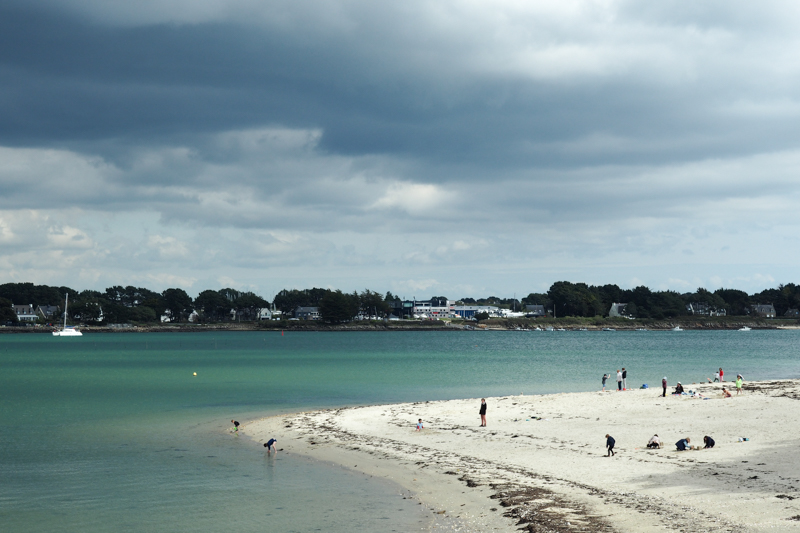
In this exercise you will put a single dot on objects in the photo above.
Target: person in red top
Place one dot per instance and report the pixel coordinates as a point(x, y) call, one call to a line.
point(721, 375)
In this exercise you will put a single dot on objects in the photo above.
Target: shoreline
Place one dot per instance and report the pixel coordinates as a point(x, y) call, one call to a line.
point(687, 325)
point(552, 474)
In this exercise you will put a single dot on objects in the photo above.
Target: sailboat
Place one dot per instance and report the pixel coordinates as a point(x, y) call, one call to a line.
point(67, 331)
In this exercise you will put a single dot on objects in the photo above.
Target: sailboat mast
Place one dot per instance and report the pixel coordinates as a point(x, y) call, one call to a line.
point(66, 304)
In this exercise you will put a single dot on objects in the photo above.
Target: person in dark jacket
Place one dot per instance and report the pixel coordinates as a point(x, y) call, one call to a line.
point(709, 442)
point(683, 444)
point(482, 412)
point(610, 445)
point(624, 379)
point(664, 386)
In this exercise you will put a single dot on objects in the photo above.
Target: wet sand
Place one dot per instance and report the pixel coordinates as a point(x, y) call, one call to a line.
point(541, 463)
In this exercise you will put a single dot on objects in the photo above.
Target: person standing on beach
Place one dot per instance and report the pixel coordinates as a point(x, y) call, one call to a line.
point(739, 382)
point(624, 379)
point(270, 445)
point(482, 412)
point(664, 386)
point(235, 426)
point(721, 376)
point(610, 442)
point(605, 377)
point(420, 427)
point(619, 380)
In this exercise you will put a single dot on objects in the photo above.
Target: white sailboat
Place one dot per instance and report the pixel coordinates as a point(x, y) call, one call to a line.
point(67, 331)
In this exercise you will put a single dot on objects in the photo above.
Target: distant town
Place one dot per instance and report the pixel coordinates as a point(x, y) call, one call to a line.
point(30, 304)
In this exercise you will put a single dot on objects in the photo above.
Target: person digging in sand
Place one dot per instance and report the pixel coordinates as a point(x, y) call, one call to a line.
point(270, 445)
point(725, 393)
point(420, 427)
point(683, 444)
point(709, 442)
point(654, 442)
point(235, 426)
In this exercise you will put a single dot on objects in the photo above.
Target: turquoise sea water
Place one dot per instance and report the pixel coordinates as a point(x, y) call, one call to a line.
point(113, 432)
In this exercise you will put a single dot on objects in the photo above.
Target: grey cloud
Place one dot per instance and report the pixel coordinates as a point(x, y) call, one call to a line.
point(390, 82)
point(358, 141)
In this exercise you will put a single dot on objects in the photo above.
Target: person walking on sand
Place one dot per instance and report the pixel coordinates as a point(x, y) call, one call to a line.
point(270, 445)
point(664, 386)
point(235, 426)
point(482, 412)
point(739, 382)
point(610, 442)
point(619, 380)
point(716, 376)
point(420, 427)
point(605, 377)
point(624, 379)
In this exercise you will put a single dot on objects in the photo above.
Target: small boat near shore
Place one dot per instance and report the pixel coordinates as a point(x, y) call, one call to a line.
point(676, 328)
point(609, 329)
point(744, 328)
point(67, 331)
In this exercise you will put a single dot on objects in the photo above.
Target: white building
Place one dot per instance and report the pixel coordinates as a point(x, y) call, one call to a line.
point(433, 308)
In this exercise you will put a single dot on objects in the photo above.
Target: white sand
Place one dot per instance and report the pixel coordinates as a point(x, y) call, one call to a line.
point(559, 464)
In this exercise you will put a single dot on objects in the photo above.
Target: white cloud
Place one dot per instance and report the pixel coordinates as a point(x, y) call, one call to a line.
point(415, 198)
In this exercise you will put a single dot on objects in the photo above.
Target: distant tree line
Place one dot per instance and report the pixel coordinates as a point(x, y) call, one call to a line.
point(580, 299)
point(140, 305)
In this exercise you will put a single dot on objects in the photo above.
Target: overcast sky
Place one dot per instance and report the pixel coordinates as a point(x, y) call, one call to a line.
point(456, 148)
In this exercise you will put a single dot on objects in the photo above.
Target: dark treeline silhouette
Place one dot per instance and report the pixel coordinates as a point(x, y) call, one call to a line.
point(140, 305)
point(580, 299)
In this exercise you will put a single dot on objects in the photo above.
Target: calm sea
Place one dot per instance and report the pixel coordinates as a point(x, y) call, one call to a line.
point(113, 432)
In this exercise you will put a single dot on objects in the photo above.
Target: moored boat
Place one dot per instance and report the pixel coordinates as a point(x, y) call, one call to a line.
point(67, 331)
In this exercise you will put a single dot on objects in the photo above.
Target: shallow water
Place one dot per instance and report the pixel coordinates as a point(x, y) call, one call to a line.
point(112, 431)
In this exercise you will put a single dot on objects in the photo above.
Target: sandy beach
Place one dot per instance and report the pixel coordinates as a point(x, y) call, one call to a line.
point(541, 463)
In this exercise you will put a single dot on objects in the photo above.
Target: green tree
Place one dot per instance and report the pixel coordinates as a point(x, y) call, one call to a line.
point(7, 314)
point(372, 304)
point(28, 293)
point(289, 300)
point(247, 305)
point(736, 302)
point(177, 304)
point(86, 308)
point(337, 307)
point(212, 305)
point(574, 299)
point(142, 314)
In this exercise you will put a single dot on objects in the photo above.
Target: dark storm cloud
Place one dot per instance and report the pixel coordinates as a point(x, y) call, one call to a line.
point(397, 141)
point(68, 80)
